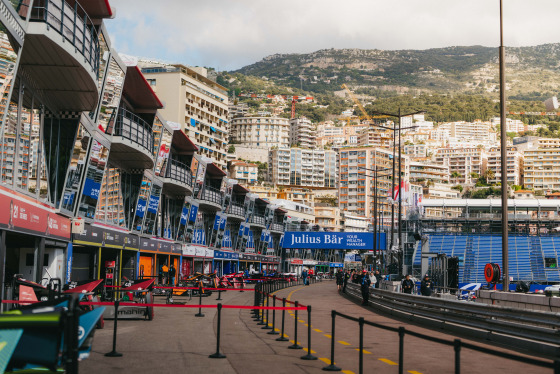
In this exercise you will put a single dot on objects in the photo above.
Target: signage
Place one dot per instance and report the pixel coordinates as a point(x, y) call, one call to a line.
point(309, 262)
point(350, 257)
point(153, 204)
point(296, 261)
point(91, 188)
point(141, 208)
point(331, 240)
point(189, 250)
point(69, 262)
point(106, 237)
point(184, 215)
point(336, 265)
point(226, 255)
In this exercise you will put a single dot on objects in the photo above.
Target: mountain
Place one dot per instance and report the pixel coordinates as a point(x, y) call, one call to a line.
point(532, 73)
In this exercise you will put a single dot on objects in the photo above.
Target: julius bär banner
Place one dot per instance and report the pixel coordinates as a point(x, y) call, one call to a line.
point(20, 213)
point(333, 240)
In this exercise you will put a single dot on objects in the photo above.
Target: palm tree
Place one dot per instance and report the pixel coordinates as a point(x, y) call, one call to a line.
point(455, 175)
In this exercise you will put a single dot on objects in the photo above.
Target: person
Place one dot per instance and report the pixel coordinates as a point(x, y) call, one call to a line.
point(345, 280)
point(365, 284)
point(304, 276)
point(377, 279)
point(160, 274)
point(246, 273)
point(427, 286)
point(339, 280)
point(165, 271)
point(407, 284)
point(172, 272)
point(372, 279)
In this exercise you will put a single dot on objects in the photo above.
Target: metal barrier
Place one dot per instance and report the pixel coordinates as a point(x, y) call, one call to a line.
point(178, 171)
point(132, 127)
point(416, 308)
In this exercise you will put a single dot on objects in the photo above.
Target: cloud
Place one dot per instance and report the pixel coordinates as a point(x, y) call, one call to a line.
point(228, 34)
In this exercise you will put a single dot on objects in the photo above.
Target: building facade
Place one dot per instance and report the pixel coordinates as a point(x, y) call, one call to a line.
point(302, 133)
point(260, 132)
point(514, 166)
point(303, 167)
point(463, 163)
point(542, 169)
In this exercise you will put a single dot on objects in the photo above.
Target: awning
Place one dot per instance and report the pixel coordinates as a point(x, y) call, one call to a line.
point(138, 91)
point(193, 122)
point(212, 129)
point(212, 141)
point(182, 144)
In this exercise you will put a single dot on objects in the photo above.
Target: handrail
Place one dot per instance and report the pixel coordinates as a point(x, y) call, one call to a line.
point(258, 220)
point(72, 22)
point(237, 209)
point(178, 171)
point(135, 129)
point(211, 194)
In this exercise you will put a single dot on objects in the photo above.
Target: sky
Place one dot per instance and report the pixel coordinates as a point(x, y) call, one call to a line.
point(230, 34)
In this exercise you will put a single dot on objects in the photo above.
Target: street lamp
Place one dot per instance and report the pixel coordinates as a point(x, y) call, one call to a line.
point(398, 115)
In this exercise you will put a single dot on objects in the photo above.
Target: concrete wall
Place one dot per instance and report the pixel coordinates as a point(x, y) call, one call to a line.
point(519, 300)
point(251, 154)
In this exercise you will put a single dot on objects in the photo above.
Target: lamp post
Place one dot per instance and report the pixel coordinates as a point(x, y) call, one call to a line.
point(399, 116)
point(503, 145)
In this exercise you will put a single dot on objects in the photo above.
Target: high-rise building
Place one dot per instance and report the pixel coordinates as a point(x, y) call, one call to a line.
point(514, 165)
point(463, 163)
point(260, 132)
point(194, 101)
point(542, 169)
point(302, 133)
point(303, 167)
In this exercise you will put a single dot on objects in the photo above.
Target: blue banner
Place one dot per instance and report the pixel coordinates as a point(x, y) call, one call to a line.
point(193, 213)
point(141, 208)
point(153, 204)
point(332, 240)
point(336, 265)
point(184, 215)
point(91, 188)
point(226, 255)
point(69, 253)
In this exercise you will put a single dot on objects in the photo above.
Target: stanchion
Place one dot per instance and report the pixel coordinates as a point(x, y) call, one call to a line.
point(266, 325)
point(273, 331)
point(401, 349)
point(295, 345)
point(257, 295)
point(282, 338)
point(332, 366)
point(309, 356)
point(219, 295)
point(114, 352)
point(457, 347)
point(218, 354)
point(72, 332)
point(199, 314)
point(261, 311)
point(361, 366)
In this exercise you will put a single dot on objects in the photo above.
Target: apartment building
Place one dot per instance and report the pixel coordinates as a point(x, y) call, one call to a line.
point(371, 136)
point(542, 169)
point(415, 150)
point(462, 163)
point(244, 172)
point(357, 184)
point(302, 133)
point(196, 102)
point(303, 167)
point(328, 217)
point(514, 165)
point(428, 173)
point(260, 132)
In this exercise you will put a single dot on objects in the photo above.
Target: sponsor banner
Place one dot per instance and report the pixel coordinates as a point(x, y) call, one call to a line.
point(249, 257)
point(336, 265)
point(209, 253)
point(296, 261)
point(352, 258)
point(105, 237)
point(153, 204)
point(19, 213)
point(200, 251)
point(189, 250)
point(224, 255)
point(309, 262)
point(332, 240)
point(141, 208)
point(91, 188)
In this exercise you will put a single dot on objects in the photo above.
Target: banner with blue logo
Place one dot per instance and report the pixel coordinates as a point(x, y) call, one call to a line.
point(91, 188)
point(336, 265)
point(226, 241)
point(332, 240)
point(199, 237)
point(153, 204)
point(193, 213)
point(184, 215)
point(141, 208)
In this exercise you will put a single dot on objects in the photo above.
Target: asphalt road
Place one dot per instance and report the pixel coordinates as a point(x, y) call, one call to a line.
point(177, 341)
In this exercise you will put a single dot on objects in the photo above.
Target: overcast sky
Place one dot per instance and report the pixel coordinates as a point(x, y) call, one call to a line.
point(229, 34)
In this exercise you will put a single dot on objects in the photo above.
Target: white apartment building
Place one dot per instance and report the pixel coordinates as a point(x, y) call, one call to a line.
point(512, 125)
point(441, 191)
point(303, 167)
point(245, 172)
point(415, 150)
point(373, 137)
point(463, 161)
point(329, 130)
point(260, 132)
point(542, 169)
point(514, 165)
point(197, 103)
point(302, 133)
point(428, 172)
point(357, 185)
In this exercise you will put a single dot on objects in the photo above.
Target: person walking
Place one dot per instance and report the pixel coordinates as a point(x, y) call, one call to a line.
point(364, 285)
point(172, 273)
point(372, 279)
point(377, 279)
point(345, 280)
point(427, 286)
point(304, 276)
point(165, 270)
point(339, 280)
point(407, 285)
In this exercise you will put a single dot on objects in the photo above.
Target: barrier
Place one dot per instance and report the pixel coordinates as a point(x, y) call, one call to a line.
point(457, 345)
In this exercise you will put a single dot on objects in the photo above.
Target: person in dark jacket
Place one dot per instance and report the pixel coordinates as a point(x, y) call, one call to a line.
point(407, 285)
point(345, 280)
point(377, 279)
point(364, 285)
point(339, 279)
point(427, 286)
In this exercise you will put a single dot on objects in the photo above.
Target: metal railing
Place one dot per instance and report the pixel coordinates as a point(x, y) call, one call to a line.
point(237, 209)
point(135, 129)
point(212, 195)
point(277, 226)
point(178, 171)
point(72, 22)
point(258, 220)
point(530, 331)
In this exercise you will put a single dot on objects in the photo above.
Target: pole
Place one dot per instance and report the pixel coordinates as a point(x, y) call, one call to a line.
point(332, 366)
point(401, 350)
point(308, 356)
point(199, 314)
point(114, 352)
point(361, 365)
point(375, 216)
point(267, 325)
point(393, 188)
point(401, 249)
point(283, 338)
point(273, 331)
point(457, 348)
point(295, 345)
point(218, 354)
point(503, 144)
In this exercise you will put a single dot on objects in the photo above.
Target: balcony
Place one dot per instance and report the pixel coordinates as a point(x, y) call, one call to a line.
point(178, 179)
point(211, 198)
point(258, 220)
point(236, 211)
point(277, 227)
point(133, 142)
point(61, 53)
